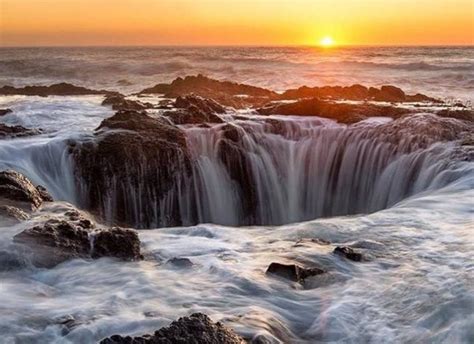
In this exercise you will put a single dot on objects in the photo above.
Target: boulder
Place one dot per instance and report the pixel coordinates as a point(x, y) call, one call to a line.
point(61, 89)
point(4, 112)
point(389, 93)
point(180, 262)
point(342, 112)
point(198, 328)
point(195, 110)
point(119, 102)
point(17, 190)
point(7, 131)
point(293, 272)
point(56, 241)
point(132, 163)
point(45, 195)
point(348, 253)
point(225, 92)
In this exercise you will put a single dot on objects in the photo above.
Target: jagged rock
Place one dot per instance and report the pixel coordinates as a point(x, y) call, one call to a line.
point(195, 110)
point(13, 214)
point(225, 92)
point(140, 152)
point(465, 115)
point(386, 93)
point(4, 112)
point(341, 112)
point(44, 194)
point(293, 272)
point(119, 102)
point(7, 131)
point(56, 241)
point(198, 328)
point(180, 262)
point(61, 89)
point(349, 253)
point(17, 190)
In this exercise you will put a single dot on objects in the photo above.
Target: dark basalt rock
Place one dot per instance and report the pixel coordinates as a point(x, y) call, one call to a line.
point(293, 272)
point(61, 89)
point(341, 112)
point(195, 110)
point(119, 102)
point(464, 115)
point(4, 112)
point(12, 214)
point(386, 93)
point(348, 253)
point(7, 131)
point(225, 92)
point(180, 262)
point(140, 152)
point(198, 328)
point(44, 194)
point(56, 241)
point(17, 190)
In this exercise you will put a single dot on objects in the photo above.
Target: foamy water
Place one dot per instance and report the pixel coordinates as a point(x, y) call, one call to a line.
point(417, 285)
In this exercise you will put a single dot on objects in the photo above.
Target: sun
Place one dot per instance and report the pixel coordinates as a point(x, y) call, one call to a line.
point(326, 42)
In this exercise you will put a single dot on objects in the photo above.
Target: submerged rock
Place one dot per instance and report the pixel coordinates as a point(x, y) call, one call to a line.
point(56, 241)
point(293, 272)
point(180, 262)
point(341, 112)
point(198, 328)
point(17, 190)
point(348, 253)
point(7, 131)
point(61, 89)
point(225, 92)
point(132, 151)
point(4, 112)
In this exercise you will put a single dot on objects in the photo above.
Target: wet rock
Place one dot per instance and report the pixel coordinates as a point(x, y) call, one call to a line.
point(348, 253)
point(7, 131)
point(119, 102)
point(180, 262)
point(341, 112)
point(317, 241)
point(465, 115)
point(203, 104)
point(198, 328)
point(13, 214)
point(132, 151)
point(56, 241)
point(45, 195)
point(17, 190)
point(293, 272)
point(4, 112)
point(61, 89)
point(195, 110)
point(224, 92)
point(386, 93)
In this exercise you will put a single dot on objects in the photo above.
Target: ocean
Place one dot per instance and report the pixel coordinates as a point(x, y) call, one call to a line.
point(402, 194)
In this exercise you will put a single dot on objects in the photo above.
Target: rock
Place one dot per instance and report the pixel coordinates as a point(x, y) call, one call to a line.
point(225, 92)
point(44, 194)
point(119, 102)
point(13, 214)
point(198, 328)
point(141, 152)
point(7, 131)
point(293, 272)
point(56, 241)
point(17, 190)
point(61, 89)
point(4, 112)
point(390, 94)
point(349, 253)
point(465, 115)
point(180, 262)
point(195, 110)
point(341, 112)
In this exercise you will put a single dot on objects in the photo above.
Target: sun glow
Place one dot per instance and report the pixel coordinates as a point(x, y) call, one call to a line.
point(326, 42)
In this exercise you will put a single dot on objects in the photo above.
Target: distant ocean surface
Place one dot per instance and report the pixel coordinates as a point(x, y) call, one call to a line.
point(446, 72)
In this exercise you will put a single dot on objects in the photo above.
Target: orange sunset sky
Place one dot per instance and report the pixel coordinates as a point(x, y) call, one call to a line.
point(239, 22)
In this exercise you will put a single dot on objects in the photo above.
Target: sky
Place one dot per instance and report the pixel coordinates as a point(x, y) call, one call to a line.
point(235, 22)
